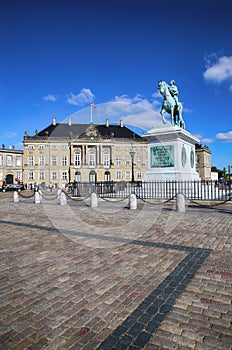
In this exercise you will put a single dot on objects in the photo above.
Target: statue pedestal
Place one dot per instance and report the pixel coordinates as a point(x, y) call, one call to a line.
point(171, 154)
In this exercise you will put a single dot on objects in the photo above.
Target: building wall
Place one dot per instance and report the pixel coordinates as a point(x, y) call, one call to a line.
point(203, 162)
point(58, 162)
point(11, 162)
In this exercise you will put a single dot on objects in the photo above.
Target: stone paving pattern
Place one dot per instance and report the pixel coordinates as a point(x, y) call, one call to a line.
point(71, 286)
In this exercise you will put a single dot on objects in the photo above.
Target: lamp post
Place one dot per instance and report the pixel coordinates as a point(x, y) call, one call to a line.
point(132, 154)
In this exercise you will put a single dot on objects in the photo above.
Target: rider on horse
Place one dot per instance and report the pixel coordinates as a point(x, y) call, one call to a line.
point(174, 91)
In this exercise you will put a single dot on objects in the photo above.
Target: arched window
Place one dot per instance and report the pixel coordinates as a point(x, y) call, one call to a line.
point(78, 176)
point(107, 176)
point(92, 176)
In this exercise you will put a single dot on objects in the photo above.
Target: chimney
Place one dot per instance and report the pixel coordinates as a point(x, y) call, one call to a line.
point(121, 123)
point(107, 122)
point(54, 121)
point(70, 121)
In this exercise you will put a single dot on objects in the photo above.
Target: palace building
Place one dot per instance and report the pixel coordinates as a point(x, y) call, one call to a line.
point(11, 161)
point(66, 152)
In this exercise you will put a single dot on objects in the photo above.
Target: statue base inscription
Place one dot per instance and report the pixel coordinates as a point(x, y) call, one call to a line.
point(171, 154)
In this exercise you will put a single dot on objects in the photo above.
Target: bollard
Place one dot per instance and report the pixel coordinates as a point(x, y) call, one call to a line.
point(37, 198)
point(133, 201)
point(93, 200)
point(40, 195)
point(63, 200)
point(16, 197)
point(180, 203)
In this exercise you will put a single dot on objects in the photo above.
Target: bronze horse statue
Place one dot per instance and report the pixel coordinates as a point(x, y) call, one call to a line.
point(169, 105)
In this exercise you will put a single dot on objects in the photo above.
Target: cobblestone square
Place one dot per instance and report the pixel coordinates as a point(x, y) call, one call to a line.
point(73, 277)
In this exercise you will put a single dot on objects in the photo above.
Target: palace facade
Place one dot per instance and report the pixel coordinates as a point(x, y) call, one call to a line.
point(11, 162)
point(62, 153)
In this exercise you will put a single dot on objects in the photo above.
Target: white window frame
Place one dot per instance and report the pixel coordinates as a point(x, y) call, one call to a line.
point(64, 160)
point(118, 175)
point(92, 158)
point(118, 161)
point(31, 175)
point(106, 159)
point(41, 161)
point(41, 175)
point(77, 159)
point(64, 175)
point(53, 160)
point(54, 175)
point(31, 161)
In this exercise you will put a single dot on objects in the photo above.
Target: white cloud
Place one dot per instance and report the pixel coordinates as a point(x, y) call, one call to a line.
point(207, 140)
point(85, 96)
point(9, 134)
point(224, 136)
point(51, 98)
point(219, 71)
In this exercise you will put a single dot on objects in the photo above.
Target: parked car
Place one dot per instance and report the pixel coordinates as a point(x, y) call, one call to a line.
point(12, 187)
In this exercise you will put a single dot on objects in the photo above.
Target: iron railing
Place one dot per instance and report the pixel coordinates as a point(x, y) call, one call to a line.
point(192, 190)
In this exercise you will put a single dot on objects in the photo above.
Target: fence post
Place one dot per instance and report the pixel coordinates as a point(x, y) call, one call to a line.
point(16, 197)
point(133, 201)
point(93, 200)
point(180, 203)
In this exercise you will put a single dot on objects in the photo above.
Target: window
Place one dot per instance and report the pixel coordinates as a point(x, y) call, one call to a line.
point(54, 175)
point(92, 158)
point(18, 175)
point(31, 147)
point(1, 160)
point(78, 176)
point(107, 176)
point(18, 160)
point(77, 159)
point(41, 175)
point(54, 147)
point(139, 175)
point(127, 174)
point(9, 160)
point(64, 175)
point(138, 161)
point(54, 160)
point(1, 176)
point(118, 161)
point(128, 160)
point(31, 160)
point(41, 161)
point(118, 174)
point(118, 148)
point(64, 161)
point(41, 147)
point(106, 159)
point(31, 175)
point(64, 147)
point(92, 176)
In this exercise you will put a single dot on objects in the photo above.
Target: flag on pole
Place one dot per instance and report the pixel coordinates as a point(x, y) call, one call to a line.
point(92, 104)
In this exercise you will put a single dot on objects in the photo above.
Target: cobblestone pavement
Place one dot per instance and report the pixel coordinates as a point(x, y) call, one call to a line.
point(110, 278)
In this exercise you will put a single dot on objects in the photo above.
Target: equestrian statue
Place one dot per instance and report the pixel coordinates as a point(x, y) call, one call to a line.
point(171, 103)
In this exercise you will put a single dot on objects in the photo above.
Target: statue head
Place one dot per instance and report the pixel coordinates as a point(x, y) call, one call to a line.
point(172, 82)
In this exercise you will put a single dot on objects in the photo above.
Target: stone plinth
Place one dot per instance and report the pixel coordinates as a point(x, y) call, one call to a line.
point(171, 154)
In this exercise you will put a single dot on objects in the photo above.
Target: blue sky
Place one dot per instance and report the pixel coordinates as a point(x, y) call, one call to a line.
point(57, 56)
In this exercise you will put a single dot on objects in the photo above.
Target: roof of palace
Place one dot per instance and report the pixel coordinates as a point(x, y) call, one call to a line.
point(87, 130)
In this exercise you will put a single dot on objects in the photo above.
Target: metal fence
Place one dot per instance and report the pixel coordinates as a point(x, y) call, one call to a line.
point(193, 190)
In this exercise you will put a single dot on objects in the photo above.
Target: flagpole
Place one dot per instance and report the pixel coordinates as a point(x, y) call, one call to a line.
point(91, 114)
